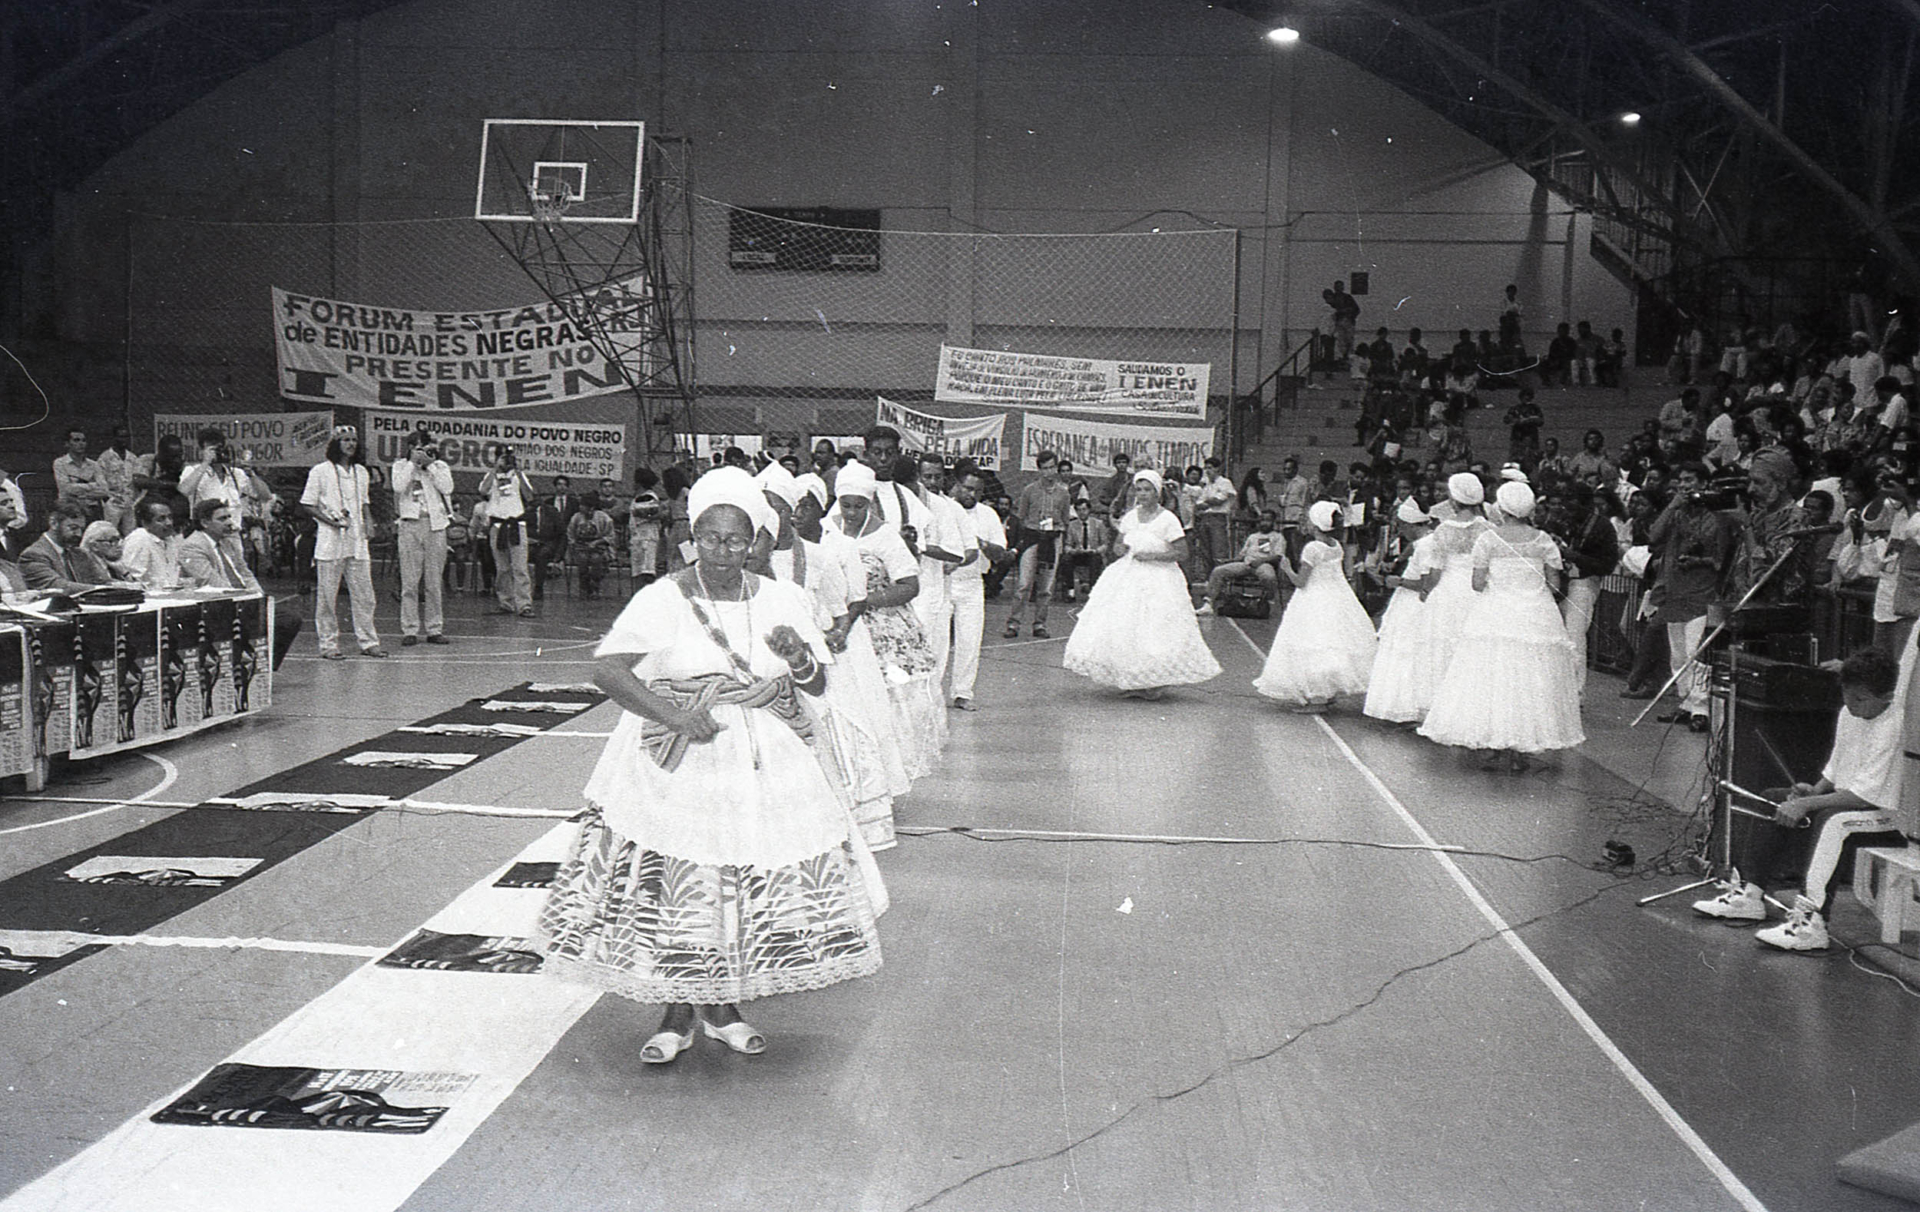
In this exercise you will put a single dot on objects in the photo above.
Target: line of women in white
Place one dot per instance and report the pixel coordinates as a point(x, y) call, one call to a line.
point(1471, 647)
point(768, 724)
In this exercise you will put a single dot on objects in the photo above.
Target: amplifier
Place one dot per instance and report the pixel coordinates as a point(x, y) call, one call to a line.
point(1759, 680)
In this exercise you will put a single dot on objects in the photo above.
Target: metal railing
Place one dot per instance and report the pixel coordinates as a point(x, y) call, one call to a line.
point(1248, 423)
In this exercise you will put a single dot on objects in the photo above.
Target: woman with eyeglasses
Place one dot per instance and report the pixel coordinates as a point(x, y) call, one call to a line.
point(716, 862)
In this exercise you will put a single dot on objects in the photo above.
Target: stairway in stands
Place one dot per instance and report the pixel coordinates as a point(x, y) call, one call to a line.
point(1319, 423)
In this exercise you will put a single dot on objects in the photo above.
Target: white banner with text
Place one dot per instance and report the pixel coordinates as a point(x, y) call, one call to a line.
point(952, 438)
point(1091, 445)
point(260, 439)
point(333, 352)
point(589, 450)
point(994, 376)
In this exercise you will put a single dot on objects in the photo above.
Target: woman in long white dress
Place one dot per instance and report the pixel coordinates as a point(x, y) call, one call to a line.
point(1137, 632)
point(1401, 688)
point(1324, 646)
point(1452, 597)
point(1512, 687)
point(899, 640)
point(716, 862)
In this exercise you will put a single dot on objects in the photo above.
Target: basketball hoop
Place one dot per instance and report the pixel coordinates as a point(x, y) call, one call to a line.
point(550, 206)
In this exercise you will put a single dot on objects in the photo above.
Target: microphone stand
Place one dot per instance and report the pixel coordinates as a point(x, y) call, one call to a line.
point(1723, 810)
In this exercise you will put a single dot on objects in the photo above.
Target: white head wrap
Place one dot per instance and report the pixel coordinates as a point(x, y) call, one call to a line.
point(732, 486)
point(1515, 499)
point(812, 484)
point(855, 480)
point(1465, 488)
point(1152, 477)
point(1411, 513)
point(777, 480)
point(1514, 472)
point(1324, 515)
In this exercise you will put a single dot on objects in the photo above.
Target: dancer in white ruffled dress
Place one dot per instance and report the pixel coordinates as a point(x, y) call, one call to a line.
point(1452, 598)
point(1325, 643)
point(906, 656)
point(1401, 689)
point(1512, 687)
point(1137, 632)
point(854, 707)
point(716, 861)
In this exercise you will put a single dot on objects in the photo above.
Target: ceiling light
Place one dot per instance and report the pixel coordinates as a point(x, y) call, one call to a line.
point(1284, 35)
point(1629, 118)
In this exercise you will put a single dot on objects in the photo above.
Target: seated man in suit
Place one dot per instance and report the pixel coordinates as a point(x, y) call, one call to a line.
point(56, 561)
point(214, 557)
point(13, 582)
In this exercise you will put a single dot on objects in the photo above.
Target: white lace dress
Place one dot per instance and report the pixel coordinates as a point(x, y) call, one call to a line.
point(1453, 597)
point(1324, 645)
point(1513, 682)
point(1137, 630)
point(1401, 689)
point(733, 875)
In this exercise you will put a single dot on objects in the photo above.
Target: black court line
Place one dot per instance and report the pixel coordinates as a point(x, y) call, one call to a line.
point(43, 899)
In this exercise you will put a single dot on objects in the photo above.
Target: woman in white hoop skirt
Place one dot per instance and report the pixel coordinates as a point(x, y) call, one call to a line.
point(1461, 523)
point(1324, 645)
point(1403, 676)
point(1512, 687)
point(1137, 632)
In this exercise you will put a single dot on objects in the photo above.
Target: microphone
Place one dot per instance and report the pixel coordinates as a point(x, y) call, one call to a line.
point(1808, 531)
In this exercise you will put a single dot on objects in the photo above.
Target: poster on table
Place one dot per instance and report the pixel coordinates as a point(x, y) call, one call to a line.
point(252, 664)
point(1092, 444)
point(583, 450)
point(95, 703)
point(182, 703)
point(219, 635)
point(1024, 380)
point(264, 439)
point(16, 717)
point(141, 700)
point(51, 646)
point(952, 438)
point(331, 352)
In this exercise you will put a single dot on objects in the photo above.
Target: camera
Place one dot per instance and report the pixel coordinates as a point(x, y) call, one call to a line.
point(504, 458)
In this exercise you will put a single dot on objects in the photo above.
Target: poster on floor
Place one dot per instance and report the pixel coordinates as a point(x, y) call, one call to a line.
point(1025, 380)
point(338, 1100)
point(265, 439)
point(152, 871)
point(432, 951)
point(332, 352)
point(16, 733)
point(584, 450)
point(952, 438)
point(1092, 444)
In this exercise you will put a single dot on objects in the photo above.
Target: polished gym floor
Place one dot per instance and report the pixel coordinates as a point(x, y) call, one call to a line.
point(1197, 953)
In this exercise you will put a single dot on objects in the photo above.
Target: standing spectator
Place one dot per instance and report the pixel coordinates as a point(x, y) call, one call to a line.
point(119, 465)
point(1607, 370)
point(1694, 545)
point(1861, 366)
point(1588, 350)
point(339, 497)
point(423, 506)
point(1523, 422)
point(1509, 310)
point(646, 517)
point(151, 552)
point(1589, 550)
point(1114, 490)
point(1382, 364)
point(1414, 361)
point(967, 584)
point(1253, 493)
point(79, 479)
point(1345, 314)
point(1557, 368)
point(216, 478)
point(1689, 361)
point(1042, 511)
point(1213, 513)
point(1463, 384)
point(826, 462)
point(509, 497)
point(1295, 493)
point(1077, 489)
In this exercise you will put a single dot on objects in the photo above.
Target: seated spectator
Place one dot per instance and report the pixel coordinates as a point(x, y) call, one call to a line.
point(101, 540)
point(590, 543)
point(1591, 465)
point(212, 557)
point(1414, 361)
point(56, 561)
point(1818, 506)
point(1851, 805)
point(13, 582)
point(1609, 369)
point(1552, 462)
point(1088, 538)
point(1382, 361)
point(1260, 556)
point(1588, 350)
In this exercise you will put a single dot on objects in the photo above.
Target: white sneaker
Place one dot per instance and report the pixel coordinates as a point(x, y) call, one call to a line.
point(1804, 929)
point(1738, 901)
point(1203, 610)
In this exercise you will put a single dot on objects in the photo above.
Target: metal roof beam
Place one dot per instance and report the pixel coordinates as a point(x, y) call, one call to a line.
point(156, 18)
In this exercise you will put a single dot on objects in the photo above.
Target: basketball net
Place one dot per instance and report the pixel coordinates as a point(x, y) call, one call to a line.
point(550, 207)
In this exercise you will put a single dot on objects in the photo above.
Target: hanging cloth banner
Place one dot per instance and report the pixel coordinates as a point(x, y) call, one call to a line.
point(363, 354)
point(976, 438)
point(263, 439)
point(993, 376)
point(1094, 443)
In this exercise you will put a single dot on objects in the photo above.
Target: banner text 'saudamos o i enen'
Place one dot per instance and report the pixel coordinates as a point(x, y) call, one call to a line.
point(952, 438)
point(1092, 444)
point(993, 376)
point(331, 352)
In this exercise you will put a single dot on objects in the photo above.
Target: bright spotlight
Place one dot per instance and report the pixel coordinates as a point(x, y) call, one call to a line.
point(1284, 35)
point(1629, 119)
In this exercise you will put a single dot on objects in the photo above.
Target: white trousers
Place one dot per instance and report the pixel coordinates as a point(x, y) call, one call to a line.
point(358, 575)
point(1682, 639)
point(969, 623)
point(423, 572)
point(1577, 609)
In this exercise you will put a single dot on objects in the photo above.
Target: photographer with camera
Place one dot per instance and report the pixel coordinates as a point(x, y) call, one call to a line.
point(509, 493)
point(339, 496)
point(423, 503)
point(216, 477)
point(1694, 544)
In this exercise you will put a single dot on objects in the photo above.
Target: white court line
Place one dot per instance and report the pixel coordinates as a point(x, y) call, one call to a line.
point(207, 944)
point(1666, 1111)
point(1064, 835)
point(168, 773)
point(498, 1027)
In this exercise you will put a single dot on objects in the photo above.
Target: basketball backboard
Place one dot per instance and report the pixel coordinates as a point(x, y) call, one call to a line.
point(535, 170)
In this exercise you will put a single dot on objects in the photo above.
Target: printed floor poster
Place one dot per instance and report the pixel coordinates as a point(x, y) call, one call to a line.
point(1024, 380)
point(339, 1100)
point(1094, 443)
point(952, 438)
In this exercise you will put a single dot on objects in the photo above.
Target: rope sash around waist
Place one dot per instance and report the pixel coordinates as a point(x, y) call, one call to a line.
point(774, 695)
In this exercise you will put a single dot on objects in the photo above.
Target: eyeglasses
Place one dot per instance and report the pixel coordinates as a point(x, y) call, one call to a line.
point(714, 542)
